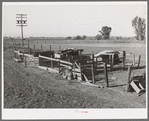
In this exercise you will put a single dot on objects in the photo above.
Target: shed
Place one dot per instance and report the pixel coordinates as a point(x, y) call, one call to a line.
point(104, 56)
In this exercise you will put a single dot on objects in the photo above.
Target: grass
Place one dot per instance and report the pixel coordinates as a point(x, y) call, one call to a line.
point(89, 46)
point(40, 89)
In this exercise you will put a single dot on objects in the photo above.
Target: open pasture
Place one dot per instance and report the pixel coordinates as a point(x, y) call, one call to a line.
point(89, 46)
point(136, 48)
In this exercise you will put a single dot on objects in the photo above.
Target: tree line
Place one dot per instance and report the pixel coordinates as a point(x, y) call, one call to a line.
point(138, 23)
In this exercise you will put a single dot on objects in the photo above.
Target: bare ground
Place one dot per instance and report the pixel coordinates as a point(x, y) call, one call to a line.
point(36, 88)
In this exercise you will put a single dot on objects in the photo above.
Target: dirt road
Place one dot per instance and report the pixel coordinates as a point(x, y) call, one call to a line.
point(36, 88)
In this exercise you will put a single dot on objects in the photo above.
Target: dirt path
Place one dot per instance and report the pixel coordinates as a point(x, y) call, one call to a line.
point(36, 88)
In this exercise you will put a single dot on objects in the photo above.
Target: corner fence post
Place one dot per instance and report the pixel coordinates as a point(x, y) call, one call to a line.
point(124, 59)
point(128, 79)
point(106, 74)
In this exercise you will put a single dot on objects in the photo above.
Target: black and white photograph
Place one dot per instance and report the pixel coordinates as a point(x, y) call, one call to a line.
point(74, 60)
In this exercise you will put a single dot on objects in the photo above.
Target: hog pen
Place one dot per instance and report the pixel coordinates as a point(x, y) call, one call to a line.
point(80, 65)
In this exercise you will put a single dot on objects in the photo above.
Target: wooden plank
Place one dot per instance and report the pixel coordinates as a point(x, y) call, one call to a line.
point(18, 60)
point(28, 55)
point(48, 58)
point(20, 53)
point(86, 79)
point(16, 51)
point(135, 87)
point(94, 85)
point(66, 62)
point(77, 65)
point(55, 60)
point(141, 86)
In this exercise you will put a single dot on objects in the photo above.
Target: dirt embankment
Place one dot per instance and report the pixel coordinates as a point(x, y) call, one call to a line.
point(35, 88)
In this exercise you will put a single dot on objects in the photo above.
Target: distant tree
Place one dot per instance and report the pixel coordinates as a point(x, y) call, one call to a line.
point(98, 37)
point(83, 37)
point(140, 27)
point(77, 37)
point(68, 37)
point(105, 31)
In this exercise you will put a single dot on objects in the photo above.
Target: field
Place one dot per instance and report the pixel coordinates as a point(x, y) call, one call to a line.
point(35, 88)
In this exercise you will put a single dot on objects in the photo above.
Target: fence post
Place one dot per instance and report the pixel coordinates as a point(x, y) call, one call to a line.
point(80, 70)
point(106, 74)
point(93, 73)
point(74, 69)
point(23, 53)
point(34, 49)
point(44, 62)
point(39, 60)
point(93, 68)
point(41, 48)
point(51, 62)
point(111, 62)
point(25, 62)
point(13, 44)
point(28, 43)
point(133, 59)
point(139, 61)
point(96, 64)
point(124, 57)
point(14, 54)
point(59, 47)
point(59, 66)
point(128, 79)
point(50, 47)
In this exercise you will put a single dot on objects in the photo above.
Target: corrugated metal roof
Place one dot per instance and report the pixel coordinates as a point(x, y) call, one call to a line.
point(106, 52)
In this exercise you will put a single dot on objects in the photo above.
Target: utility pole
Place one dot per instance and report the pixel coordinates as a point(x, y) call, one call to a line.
point(21, 21)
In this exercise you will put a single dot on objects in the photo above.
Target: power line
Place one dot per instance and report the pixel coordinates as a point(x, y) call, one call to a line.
point(21, 22)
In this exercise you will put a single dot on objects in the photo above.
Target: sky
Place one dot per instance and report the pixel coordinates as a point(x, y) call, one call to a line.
point(61, 19)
